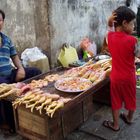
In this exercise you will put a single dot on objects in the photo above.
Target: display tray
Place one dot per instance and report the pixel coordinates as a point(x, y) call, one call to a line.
point(72, 84)
point(101, 57)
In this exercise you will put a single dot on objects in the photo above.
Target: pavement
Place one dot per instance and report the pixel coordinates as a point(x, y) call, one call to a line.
point(93, 129)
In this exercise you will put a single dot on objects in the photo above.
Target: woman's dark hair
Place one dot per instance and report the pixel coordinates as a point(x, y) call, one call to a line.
point(123, 13)
point(3, 14)
point(128, 2)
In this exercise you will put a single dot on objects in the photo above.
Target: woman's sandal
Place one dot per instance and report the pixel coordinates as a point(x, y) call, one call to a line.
point(123, 117)
point(109, 124)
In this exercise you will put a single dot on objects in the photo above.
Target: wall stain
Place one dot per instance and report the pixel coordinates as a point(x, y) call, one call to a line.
point(73, 4)
point(63, 1)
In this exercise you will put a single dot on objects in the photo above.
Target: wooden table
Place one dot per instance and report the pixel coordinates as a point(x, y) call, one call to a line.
point(73, 114)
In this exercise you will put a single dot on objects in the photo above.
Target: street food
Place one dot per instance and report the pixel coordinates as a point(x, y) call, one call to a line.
point(73, 84)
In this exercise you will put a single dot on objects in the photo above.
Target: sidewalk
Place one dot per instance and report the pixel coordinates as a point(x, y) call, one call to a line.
point(92, 129)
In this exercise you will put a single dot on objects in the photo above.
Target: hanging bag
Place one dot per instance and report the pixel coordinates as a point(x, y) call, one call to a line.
point(67, 55)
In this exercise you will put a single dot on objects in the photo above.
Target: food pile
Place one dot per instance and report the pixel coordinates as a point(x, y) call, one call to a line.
point(35, 98)
point(77, 79)
point(20, 89)
point(73, 84)
point(43, 82)
point(81, 78)
point(40, 100)
point(95, 72)
point(17, 89)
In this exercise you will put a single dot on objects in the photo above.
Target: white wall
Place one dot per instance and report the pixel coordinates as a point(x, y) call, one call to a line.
point(19, 22)
point(72, 20)
point(50, 23)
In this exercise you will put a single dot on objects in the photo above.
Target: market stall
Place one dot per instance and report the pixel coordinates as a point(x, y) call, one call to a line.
point(52, 105)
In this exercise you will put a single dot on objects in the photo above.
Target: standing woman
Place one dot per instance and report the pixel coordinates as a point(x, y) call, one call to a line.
point(123, 48)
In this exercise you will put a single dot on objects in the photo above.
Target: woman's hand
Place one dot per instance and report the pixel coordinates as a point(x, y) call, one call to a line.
point(20, 74)
point(20, 70)
point(112, 20)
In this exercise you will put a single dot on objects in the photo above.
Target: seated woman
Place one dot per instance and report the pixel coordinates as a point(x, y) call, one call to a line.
point(88, 49)
point(9, 74)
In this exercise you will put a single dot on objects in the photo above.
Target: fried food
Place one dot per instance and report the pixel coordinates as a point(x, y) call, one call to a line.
point(52, 77)
point(47, 102)
point(12, 91)
point(41, 100)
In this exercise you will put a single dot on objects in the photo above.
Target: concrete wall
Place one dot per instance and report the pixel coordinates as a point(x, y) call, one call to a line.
point(19, 22)
point(50, 23)
point(42, 27)
point(72, 20)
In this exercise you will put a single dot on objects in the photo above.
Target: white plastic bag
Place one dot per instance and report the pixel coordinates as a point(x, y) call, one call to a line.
point(33, 57)
point(31, 54)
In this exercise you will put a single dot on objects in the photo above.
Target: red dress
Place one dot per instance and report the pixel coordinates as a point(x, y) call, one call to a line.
point(123, 80)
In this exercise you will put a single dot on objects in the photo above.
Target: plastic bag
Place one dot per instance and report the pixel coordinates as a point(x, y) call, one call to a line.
point(33, 57)
point(67, 55)
point(89, 49)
